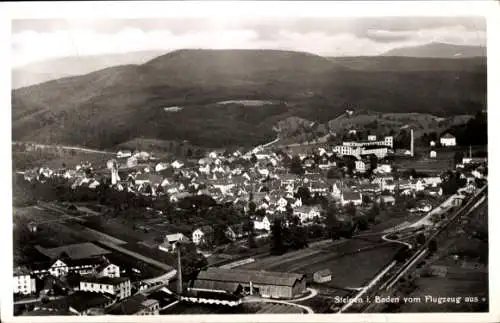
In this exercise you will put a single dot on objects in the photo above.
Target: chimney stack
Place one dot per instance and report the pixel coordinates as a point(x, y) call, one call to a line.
point(179, 270)
point(411, 147)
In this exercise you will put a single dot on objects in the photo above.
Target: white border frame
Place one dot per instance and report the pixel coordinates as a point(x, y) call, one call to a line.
point(146, 9)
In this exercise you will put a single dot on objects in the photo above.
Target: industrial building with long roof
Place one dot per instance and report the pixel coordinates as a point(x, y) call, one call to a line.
point(263, 283)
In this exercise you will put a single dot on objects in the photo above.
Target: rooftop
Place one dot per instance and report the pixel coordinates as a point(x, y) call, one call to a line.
point(257, 277)
point(447, 136)
point(105, 280)
point(74, 251)
point(128, 306)
point(350, 196)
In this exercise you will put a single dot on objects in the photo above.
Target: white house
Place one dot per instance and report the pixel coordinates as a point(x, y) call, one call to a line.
point(383, 168)
point(372, 138)
point(177, 164)
point(432, 143)
point(432, 154)
point(417, 185)
point(448, 140)
point(59, 268)
point(119, 286)
point(202, 234)
point(336, 190)
point(282, 202)
point(351, 197)
point(360, 166)
point(306, 213)
point(123, 154)
point(24, 283)
point(108, 270)
point(161, 166)
point(262, 223)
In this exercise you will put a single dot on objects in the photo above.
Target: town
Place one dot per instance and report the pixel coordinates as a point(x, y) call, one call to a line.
point(270, 230)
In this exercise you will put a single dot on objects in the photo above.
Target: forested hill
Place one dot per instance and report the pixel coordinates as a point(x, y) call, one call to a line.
point(118, 104)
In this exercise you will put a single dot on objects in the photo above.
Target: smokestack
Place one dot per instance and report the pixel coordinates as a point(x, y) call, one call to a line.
point(179, 271)
point(411, 147)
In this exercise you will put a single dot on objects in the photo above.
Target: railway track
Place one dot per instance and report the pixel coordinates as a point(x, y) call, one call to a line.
point(387, 279)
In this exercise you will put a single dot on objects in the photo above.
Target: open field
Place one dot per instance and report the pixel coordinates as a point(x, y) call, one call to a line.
point(350, 267)
point(444, 158)
point(117, 229)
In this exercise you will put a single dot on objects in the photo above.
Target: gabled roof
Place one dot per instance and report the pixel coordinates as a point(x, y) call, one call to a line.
point(351, 196)
point(206, 229)
point(74, 251)
point(447, 136)
point(245, 276)
point(129, 306)
point(175, 237)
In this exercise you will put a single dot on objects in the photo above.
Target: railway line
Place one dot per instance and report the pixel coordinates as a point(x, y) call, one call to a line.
point(388, 277)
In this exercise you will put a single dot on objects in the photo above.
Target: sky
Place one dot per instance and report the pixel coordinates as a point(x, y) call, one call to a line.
point(41, 39)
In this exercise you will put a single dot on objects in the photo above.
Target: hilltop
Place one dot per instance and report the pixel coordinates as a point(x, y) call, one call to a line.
point(439, 50)
point(52, 69)
point(111, 106)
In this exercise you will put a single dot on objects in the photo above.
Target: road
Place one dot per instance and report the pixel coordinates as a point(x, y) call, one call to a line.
point(36, 300)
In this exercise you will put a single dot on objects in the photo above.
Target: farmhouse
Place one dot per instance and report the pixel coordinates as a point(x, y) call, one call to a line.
point(263, 283)
point(203, 234)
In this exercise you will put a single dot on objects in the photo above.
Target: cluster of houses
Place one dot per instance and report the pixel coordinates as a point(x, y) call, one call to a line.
point(91, 282)
point(260, 176)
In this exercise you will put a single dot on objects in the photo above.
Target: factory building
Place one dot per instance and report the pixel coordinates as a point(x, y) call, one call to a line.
point(250, 282)
point(387, 142)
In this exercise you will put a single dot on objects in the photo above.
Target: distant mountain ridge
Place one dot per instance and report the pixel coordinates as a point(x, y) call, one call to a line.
point(56, 68)
point(438, 50)
point(117, 104)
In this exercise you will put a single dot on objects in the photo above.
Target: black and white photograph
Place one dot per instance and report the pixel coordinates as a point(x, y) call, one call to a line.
point(270, 164)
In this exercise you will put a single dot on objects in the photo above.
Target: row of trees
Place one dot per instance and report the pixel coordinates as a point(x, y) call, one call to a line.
point(291, 237)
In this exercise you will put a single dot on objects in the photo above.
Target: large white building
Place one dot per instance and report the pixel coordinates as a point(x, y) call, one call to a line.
point(378, 148)
point(448, 140)
point(24, 283)
point(388, 142)
point(119, 286)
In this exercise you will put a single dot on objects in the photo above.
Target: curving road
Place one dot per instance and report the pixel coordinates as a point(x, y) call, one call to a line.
point(253, 299)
